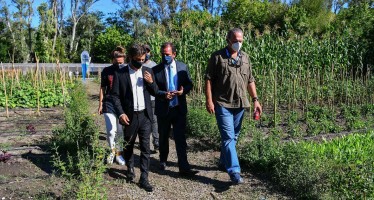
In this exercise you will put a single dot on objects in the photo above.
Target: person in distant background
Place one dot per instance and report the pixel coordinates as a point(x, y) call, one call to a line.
point(106, 107)
point(150, 64)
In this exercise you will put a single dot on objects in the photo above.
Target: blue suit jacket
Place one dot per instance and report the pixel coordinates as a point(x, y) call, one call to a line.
point(161, 103)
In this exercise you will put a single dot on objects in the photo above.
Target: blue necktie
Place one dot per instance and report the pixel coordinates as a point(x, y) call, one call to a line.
point(173, 101)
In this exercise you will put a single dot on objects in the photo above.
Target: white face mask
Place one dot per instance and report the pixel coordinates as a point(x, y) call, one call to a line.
point(236, 46)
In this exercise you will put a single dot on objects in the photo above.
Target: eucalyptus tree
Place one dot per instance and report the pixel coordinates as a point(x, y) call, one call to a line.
point(57, 7)
point(45, 34)
point(78, 8)
point(5, 43)
point(212, 6)
point(17, 23)
point(87, 31)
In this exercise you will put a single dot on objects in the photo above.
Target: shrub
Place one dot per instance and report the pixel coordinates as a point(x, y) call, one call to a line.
point(77, 154)
point(202, 125)
point(342, 167)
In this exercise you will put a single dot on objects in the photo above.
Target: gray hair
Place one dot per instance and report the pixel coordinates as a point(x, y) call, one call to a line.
point(232, 32)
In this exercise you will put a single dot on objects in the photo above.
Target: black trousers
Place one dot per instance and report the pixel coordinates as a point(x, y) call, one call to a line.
point(140, 125)
point(154, 125)
point(178, 120)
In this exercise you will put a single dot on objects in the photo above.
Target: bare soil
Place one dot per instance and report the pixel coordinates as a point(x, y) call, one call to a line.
point(29, 172)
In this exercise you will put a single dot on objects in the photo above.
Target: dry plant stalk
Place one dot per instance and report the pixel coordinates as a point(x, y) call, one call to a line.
point(37, 85)
point(6, 96)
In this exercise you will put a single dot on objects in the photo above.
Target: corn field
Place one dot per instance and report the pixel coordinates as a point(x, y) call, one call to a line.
point(290, 71)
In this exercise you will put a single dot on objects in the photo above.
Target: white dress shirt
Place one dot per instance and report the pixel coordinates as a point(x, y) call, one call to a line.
point(137, 85)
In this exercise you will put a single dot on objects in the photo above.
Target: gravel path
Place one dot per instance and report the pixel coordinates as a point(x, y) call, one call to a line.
point(209, 183)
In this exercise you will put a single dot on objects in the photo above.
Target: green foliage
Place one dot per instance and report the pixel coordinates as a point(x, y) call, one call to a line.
point(193, 19)
point(353, 118)
point(107, 41)
point(260, 153)
point(5, 44)
point(256, 13)
point(25, 93)
point(299, 171)
point(77, 154)
point(341, 167)
point(80, 129)
point(201, 124)
point(43, 41)
point(358, 20)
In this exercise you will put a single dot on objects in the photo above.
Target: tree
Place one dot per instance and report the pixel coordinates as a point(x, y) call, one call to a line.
point(45, 34)
point(318, 14)
point(107, 41)
point(57, 7)
point(87, 31)
point(18, 24)
point(79, 8)
point(5, 45)
point(255, 12)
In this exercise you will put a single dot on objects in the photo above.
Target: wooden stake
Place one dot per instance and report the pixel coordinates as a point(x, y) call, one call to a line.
point(6, 96)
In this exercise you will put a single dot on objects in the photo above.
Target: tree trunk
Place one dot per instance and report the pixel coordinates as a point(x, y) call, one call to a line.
point(55, 16)
point(73, 37)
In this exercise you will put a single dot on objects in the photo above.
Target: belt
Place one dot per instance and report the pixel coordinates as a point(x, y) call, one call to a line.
point(139, 112)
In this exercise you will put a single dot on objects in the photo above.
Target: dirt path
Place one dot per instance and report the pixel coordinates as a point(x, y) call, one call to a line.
point(210, 183)
point(29, 173)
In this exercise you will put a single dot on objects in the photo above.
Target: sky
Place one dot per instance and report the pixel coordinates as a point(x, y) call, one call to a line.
point(106, 6)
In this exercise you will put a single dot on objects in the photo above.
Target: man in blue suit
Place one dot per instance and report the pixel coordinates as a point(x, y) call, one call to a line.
point(174, 82)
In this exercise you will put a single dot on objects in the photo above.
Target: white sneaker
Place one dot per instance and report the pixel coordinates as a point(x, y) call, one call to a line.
point(120, 160)
point(110, 158)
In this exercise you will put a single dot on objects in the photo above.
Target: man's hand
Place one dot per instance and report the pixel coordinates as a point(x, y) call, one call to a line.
point(179, 92)
point(210, 107)
point(169, 95)
point(100, 109)
point(124, 119)
point(258, 106)
point(148, 77)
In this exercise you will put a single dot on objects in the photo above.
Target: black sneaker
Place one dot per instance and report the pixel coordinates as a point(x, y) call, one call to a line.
point(162, 166)
point(145, 185)
point(156, 146)
point(221, 167)
point(188, 173)
point(236, 179)
point(130, 174)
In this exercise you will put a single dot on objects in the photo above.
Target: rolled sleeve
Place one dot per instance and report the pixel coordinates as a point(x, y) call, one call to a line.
point(209, 73)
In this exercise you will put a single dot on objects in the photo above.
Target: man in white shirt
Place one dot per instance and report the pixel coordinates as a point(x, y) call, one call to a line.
point(132, 89)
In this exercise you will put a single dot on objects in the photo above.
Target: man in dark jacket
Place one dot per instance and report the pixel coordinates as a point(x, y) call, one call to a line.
point(174, 82)
point(132, 87)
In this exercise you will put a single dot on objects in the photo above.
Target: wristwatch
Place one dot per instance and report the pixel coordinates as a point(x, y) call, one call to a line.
point(254, 99)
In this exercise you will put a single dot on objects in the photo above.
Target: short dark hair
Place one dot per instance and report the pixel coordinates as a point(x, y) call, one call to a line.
point(169, 44)
point(118, 52)
point(232, 32)
point(136, 50)
point(147, 47)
